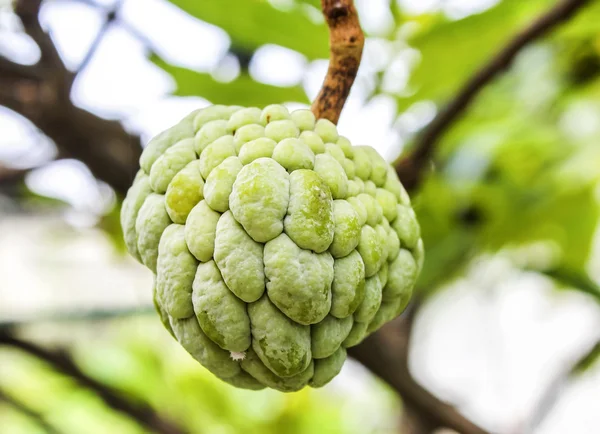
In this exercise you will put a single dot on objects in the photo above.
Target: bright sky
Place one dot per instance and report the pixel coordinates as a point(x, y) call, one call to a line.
point(494, 371)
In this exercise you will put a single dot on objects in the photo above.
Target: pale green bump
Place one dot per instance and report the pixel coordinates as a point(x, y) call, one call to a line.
point(255, 149)
point(274, 112)
point(361, 184)
point(371, 250)
point(348, 286)
point(348, 166)
point(383, 239)
point(370, 188)
point(383, 273)
point(163, 141)
point(222, 316)
point(327, 130)
point(215, 153)
point(309, 221)
point(210, 132)
point(200, 231)
point(240, 259)
point(279, 130)
point(314, 141)
point(280, 343)
point(243, 380)
point(335, 151)
point(357, 334)
point(184, 192)
point(328, 335)
point(353, 189)
point(388, 203)
point(175, 270)
point(298, 281)
point(294, 154)
point(370, 305)
point(260, 198)
point(162, 313)
point(210, 355)
point(327, 369)
point(401, 276)
point(347, 229)
point(393, 244)
point(257, 369)
point(362, 162)
point(136, 195)
point(393, 184)
point(419, 254)
point(151, 221)
point(387, 312)
point(374, 210)
point(168, 164)
point(346, 147)
point(385, 223)
point(220, 183)
point(304, 119)
point(379, 167)
point(333, 174)
point(211, 113)
point(407, 227)
point(246, 134)
point(245, 116)
point(360, 208)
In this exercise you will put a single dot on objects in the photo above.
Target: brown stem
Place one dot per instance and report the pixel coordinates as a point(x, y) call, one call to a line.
point(346, 41)
point(411, 168)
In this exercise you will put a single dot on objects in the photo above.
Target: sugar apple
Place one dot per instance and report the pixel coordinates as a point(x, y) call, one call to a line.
point(275, 244)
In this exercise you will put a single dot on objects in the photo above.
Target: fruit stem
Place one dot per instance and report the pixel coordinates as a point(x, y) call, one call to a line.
point(346, 41)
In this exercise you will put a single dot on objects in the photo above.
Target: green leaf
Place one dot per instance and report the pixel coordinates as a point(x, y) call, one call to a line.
point(253, 23)
point(241, 91)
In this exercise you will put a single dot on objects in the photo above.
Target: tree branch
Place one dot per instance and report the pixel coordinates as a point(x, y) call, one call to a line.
point(62, 362)
point(346, 42)
point(34, 415)
point(41, 93)
point(385, 354)
point(410, 168)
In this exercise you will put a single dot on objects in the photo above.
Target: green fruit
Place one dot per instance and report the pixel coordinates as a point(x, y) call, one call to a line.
point(276, 244)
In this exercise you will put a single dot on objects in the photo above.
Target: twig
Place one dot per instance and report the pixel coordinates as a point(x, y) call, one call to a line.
point(346, 42)
point(62, 362)
point(551, 395)
point(32, 414)
point(411, 168)
point(110, 18)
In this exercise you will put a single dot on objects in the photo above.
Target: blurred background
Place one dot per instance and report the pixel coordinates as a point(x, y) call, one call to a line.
point(506, 327)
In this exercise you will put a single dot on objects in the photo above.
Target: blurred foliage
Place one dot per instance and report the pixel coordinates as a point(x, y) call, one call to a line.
point(139, 358)
point(242, 90)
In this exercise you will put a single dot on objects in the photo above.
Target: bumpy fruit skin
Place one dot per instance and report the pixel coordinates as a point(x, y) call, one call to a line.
point(275, 244)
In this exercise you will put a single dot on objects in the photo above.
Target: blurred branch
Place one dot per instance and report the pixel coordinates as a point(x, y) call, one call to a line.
point(385, 353)
point(34, 415)
point(346, 42)
point(41, 93)
point(551, 396)
point(410, 168)
point(62, 362)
